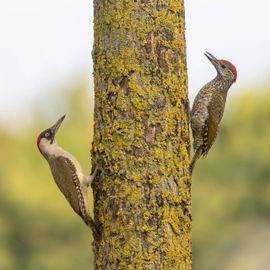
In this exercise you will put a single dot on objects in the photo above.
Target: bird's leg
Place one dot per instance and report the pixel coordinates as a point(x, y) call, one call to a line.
point(90, 178)
point(189, 113)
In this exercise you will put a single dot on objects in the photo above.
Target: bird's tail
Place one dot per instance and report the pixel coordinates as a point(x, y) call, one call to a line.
point(197, 154)
point(92, 225)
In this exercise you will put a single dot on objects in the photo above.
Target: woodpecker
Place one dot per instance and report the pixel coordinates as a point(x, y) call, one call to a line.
point(208, 107)
point(67, 172)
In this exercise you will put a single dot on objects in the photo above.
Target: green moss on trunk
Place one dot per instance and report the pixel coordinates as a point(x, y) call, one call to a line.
point(142, 198)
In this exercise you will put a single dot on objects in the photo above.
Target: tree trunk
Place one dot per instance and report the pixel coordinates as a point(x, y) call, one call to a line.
point(142, 200)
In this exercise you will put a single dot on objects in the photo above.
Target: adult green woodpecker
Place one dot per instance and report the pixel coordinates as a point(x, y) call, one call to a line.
point(208, 107)
point(67, 173)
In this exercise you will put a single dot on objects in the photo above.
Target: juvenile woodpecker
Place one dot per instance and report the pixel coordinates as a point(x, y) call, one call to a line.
point(208, 107)
point(67, 172)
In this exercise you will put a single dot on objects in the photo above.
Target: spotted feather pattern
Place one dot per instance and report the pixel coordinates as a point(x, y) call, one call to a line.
point(206, 114)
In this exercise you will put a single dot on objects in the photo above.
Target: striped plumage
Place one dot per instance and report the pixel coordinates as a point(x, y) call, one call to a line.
point(208, 107)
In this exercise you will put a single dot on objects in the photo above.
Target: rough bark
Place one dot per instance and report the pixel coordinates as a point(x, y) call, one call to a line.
point(142, 200)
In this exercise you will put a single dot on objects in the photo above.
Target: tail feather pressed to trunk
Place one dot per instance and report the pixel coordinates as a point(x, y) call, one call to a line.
point(197, 154)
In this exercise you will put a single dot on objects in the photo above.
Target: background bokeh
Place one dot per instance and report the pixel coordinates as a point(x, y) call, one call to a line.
point(45, 72)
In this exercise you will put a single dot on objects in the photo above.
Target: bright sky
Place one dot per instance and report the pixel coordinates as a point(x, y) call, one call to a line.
point(45, 44)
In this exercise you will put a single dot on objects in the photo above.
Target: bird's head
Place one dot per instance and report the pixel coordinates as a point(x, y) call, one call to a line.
point(224, 68)
point(47, 137)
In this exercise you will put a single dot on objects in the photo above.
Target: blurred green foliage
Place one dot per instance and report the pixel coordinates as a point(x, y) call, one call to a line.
point(231, 190)
point(38, 229)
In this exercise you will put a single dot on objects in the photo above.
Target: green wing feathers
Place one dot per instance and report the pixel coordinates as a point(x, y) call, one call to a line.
point(216, 109)
point(210, 134)
point(69, 184)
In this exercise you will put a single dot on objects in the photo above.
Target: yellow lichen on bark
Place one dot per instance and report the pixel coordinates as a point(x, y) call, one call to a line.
point(141, 140)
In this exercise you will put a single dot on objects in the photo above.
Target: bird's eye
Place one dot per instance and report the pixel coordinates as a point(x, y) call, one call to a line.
point(223, 66)
point(47, 134)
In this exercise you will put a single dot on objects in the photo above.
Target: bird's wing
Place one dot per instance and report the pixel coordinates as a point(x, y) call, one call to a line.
point(210, 130)
point(69, 184)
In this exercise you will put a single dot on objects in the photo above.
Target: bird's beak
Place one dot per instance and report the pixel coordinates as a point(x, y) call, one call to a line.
point(212, 59)
point(56, 126)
